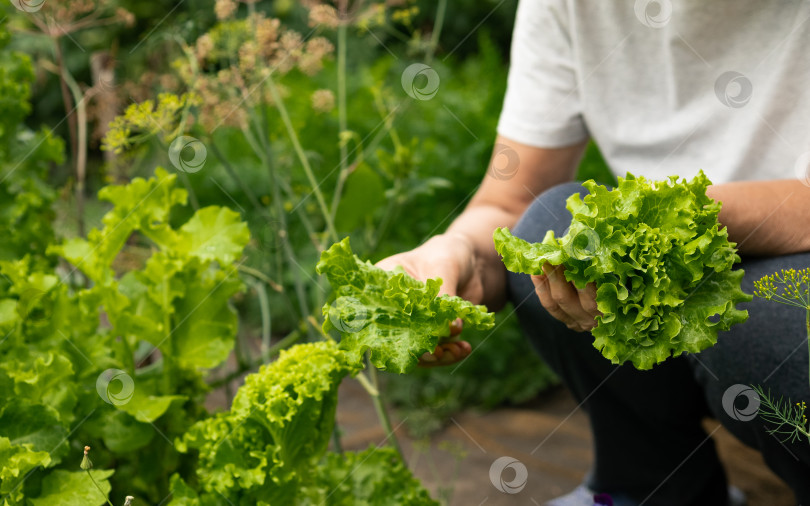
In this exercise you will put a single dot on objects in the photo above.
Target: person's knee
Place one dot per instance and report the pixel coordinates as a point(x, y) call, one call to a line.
point(547, 212)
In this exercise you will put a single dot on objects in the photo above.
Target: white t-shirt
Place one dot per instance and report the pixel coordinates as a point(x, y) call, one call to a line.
point(664, 87)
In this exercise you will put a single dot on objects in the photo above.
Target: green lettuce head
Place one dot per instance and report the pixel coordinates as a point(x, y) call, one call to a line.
point(660, 262)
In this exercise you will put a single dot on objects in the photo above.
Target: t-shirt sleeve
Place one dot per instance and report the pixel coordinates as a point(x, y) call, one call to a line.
point(542, 106)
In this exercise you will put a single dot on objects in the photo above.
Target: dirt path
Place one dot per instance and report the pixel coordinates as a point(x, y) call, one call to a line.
point(549, 436)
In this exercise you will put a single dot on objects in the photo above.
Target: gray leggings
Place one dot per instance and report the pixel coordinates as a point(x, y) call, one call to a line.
point(648, 438)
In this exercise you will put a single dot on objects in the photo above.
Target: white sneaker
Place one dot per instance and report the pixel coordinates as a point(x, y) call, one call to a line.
point(582, 496)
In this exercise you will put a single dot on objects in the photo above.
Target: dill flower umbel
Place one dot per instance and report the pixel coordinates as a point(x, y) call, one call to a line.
point(224, 9)
point(323, 100)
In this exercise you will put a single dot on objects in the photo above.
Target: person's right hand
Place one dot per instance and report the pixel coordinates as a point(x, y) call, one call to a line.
point(452, 258)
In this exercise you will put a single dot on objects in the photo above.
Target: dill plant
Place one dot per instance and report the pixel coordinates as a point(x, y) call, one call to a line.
point(790, 287)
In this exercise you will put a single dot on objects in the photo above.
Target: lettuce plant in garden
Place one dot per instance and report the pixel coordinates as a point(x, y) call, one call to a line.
point(156, 329)
point(114, 360)
point(660, 261)
point(262, 450)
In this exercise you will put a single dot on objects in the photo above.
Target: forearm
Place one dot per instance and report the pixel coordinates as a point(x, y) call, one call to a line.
point(765, 217)
point(501, 200)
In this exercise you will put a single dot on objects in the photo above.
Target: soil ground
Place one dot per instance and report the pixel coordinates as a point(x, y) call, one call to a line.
point(549, 435)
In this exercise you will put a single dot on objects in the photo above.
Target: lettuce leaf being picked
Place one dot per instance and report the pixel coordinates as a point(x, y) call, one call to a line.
point(394, 316)
point(660, 262)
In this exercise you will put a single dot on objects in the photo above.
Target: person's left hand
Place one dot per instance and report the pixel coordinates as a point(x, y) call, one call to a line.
point(575, 308)
point(449, 351)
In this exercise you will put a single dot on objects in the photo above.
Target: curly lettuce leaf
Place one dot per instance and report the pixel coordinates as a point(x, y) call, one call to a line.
point(661, 263)
point(18, 460)
point(394, 316)
point(373, 477)
point(280, 422)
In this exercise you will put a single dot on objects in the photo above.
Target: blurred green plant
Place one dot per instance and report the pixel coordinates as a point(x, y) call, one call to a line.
point(26, 157)
point(501, 369)
point(143, 338)
point(56, 21)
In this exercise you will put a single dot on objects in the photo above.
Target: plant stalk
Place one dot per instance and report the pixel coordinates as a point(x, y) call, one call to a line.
point(63, 86)
point(263, 152)
point(372, 387)
point(98, 487)
point(78, 122)
point(441, 8)
point(235, 176)
point(302, 157)
point(342, 119)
